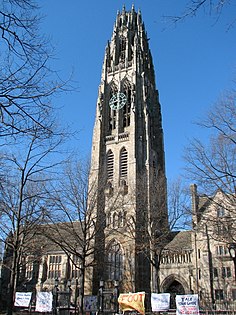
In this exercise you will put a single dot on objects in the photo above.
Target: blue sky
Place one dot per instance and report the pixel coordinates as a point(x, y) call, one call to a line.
point(195, 61)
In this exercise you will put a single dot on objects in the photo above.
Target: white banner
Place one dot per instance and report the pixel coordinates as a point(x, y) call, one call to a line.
point(160, 302)
point(43, 302)
point(22, 299)
point(90, 303)
point(187, 304)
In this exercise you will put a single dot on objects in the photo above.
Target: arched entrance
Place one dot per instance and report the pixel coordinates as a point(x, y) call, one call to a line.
point(174, 289)
point(175, 286)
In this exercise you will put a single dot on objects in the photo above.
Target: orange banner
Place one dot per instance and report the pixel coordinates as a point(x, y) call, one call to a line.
point(132, 301)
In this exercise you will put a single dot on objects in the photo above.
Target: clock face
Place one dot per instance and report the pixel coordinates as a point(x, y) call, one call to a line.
point(118, 101)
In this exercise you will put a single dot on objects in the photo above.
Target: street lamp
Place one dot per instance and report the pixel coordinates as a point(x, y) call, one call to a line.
point(100, 296)
point(69, 292)
point(56, 284)
point(116, 295)
point(69, 284)
point(232, 252)
point(77, 294)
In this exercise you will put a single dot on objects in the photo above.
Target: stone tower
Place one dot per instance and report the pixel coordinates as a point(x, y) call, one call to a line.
point(128, 163)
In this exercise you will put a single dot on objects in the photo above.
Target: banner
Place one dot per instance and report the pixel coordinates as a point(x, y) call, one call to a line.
point(22, 299)
point(132, 301)
point(90, 303)
point(187, 304)
point(160, 302)
point(43, 302)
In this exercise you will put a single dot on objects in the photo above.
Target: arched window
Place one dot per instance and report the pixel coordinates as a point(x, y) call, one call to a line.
point(120, 219)
point(115, 220)
point(126, 88)
point(110, 165)
point(124, 218)
point(122, 49)
point(109, 219)
point(112, 121)
point(114, 261)
point(112, 113)
point(123, 164)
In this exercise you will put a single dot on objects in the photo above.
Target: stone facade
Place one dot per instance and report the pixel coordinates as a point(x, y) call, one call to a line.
point(198, 261)
point(194, 261)
point(128, 158)
point(128, 173)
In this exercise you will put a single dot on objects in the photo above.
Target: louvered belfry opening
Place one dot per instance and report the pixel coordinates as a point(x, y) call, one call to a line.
point(110, 165)
point(123, 163)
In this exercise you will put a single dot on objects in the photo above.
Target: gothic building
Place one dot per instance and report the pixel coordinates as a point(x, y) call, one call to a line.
point(132, 241)
point(128, 157)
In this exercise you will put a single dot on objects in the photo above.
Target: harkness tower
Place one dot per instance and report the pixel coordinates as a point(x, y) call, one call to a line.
point(128, 162)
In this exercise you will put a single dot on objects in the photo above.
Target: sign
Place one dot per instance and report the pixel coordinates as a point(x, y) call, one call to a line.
point(160, 302)
point(132, 301)
point(22, 299)
point(90, 303)
point(187, 304)
point(43, 302)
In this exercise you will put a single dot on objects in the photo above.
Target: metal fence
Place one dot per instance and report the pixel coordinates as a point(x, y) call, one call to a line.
point(202, 312)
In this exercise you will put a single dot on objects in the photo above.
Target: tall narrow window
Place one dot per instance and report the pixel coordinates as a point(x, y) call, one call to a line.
point(219, 294)
point(120, 219)
point(220, 212)
point(75, 271)
point(112, 112)
point(122, 49)
point(54, 267)
point(112, 119)
point(234, 294)
point(115, 220)
point(199, 253)
point(123, 164)
point(109, 219)
point(199, 274)
point(110, 165)
point(215, 272)
point(124, 218)
point(29, 269)
point(127, 108)
point(226, 272)
point(114, 261)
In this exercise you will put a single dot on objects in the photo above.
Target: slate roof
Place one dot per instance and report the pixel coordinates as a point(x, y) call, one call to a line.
point(61, 232)
point(181, 241)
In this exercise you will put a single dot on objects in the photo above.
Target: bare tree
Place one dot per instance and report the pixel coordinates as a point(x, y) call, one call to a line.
point(178, 220)
point(214, 8)
point(72, 227)
point(77, 225)
point(211, 164)
point(26, 81)
point(179, 205)
point(28, 170)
